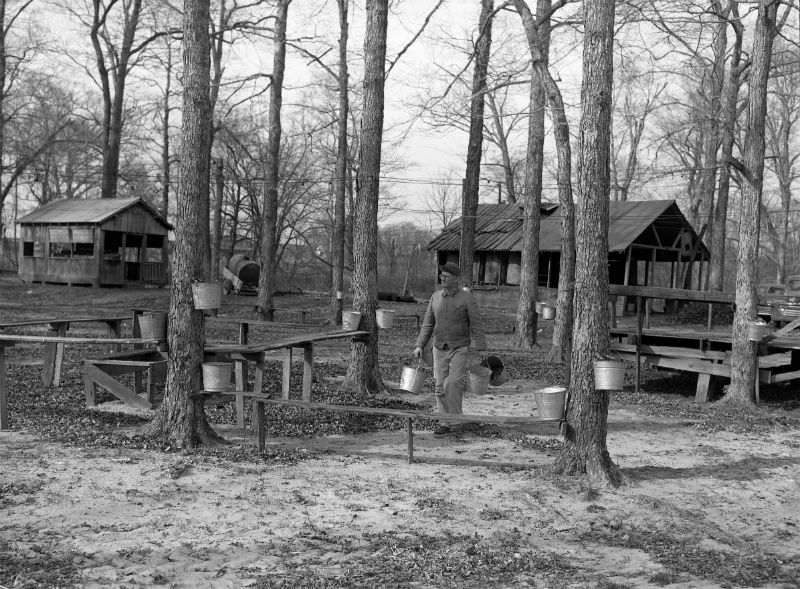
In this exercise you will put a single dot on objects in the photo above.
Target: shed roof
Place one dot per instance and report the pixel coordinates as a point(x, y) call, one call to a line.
point(498, 227)
point(69, 211)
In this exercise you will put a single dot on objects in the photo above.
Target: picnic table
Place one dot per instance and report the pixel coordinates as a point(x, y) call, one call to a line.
point(8, 340)
point(243, 352)
point(54, 351)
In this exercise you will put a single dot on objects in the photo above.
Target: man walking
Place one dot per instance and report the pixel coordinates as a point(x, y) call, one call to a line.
point(453, 319)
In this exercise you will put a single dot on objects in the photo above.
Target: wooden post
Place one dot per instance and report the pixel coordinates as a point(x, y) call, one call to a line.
point(258, 424)
point(626, 281)
point(639, 320)
point(410, 431)
point(287, 371)
point(3, 396)
point(308, 370)
point(240, 374)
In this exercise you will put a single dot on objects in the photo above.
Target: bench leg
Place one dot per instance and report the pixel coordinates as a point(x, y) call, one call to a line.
point(3, 397)
point(308, 370)
point(258, 422)
point(287, 372)
point(410, 431)
point(59, 361)
point(90, 388)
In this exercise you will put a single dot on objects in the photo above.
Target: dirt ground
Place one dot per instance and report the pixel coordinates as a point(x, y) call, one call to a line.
point(701, 507)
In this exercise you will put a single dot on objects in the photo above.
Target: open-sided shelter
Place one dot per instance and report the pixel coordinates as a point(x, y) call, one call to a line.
point(98, 242)
point(649, 242)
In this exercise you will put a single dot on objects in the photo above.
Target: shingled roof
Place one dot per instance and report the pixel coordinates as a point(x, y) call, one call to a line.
point(498, 227)
point(71, 211)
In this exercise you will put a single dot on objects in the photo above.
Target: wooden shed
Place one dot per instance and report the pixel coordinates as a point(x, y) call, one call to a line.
point(98, 242)
point(649, 243)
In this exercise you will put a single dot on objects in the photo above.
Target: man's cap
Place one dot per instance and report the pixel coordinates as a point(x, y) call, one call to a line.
point(451, 268)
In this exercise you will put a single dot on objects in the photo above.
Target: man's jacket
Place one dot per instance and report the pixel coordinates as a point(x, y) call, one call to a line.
point(450, 318)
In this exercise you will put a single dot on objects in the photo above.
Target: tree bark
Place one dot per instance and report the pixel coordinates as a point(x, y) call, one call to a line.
point(527, 320)
point(469, 199)
point(585, 449)
point(269, 236)
point(180, 422)
point(730, 98)
point(339, 185)
point(743, 354)
point(363, 374)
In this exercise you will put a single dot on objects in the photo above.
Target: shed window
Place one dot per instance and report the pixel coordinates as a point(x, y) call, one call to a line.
point(32, 249)
point(68, 242)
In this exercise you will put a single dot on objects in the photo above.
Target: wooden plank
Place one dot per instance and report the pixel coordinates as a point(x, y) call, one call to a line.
point(45, 339)
point(259, 424)
point(3, 395)
point(115, 387)
point(675, 294)
point(684, 364)
point(308, 371)
point(410, 433)
point(409, 413)
point(671, 351)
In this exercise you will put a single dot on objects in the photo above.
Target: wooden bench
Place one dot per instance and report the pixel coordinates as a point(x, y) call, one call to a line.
point(240, 354)
point(529, 424)
point(151, 364)
point(54, 352)
point(8, 340)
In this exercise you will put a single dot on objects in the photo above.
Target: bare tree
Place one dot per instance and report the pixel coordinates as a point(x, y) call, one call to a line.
point(269, 239)
point(585, 449)
point(729, 115)
point(442, 198)
point(179, 421)
point(340, 172)
point(469, 197)
point(782, 120)
point(363, 374)
point(743, 352)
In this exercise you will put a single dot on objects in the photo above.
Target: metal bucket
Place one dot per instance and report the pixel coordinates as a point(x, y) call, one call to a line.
point(548, 312)
point(385, 318)
point(495, 364)
point(350, 320)
point(412, 379)
point(478, 379)
point(550, 402)
point(609, 375)
point(217, 376)
point(538, 305)
point(756, 330)
point(207, 295)
point(153, 325)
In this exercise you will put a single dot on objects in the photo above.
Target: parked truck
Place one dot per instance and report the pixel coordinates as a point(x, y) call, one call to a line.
point(240, 275)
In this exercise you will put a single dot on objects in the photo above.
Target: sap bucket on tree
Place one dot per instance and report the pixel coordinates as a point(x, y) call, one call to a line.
point(385, 318)
point(550, 402)
point(609, 375)
point(538, 306)
point(350, 320)
point(478, 379)
point(548, 312)
point(756, 330)
point(207, 295)
point(153, 325)
point(412, 379)
point(217, 376)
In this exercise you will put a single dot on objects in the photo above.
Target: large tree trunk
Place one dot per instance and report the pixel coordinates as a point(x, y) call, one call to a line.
point(269, 236)
point(363, 374)
point(527, 320)
point(585, 448)
point(179, 421)
point(743, 355)
point(469, 198)
point(339, 184)
point(719, 222)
